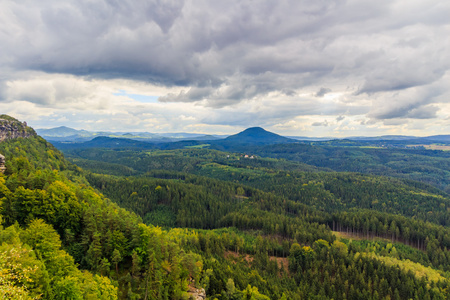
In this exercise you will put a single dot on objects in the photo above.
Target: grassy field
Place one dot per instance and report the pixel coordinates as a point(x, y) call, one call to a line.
point(433, 147)
point(349, 236)
point(198, 146)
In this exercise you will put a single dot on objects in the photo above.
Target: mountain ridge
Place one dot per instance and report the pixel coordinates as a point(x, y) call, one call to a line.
point(258, 135)
point(11, 128)
point(68, 134)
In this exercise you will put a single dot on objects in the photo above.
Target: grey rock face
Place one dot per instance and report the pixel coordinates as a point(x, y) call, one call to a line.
point(2, 163)
point(11, 129)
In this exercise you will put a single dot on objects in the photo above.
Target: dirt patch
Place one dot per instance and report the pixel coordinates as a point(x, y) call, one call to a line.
point(282, 262)
point(235, 256)
point(197, 294)
point(355, 236)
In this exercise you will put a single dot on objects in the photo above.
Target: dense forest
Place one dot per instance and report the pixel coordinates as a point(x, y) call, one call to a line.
point(186, 223)
point(428, 166)
point(404, 159)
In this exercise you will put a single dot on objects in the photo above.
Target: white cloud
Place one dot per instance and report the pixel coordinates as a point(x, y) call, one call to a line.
point(227, 65)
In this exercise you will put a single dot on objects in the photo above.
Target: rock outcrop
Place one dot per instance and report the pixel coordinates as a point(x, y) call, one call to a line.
point(2, 164)
point(11, 128)
point(196, 294)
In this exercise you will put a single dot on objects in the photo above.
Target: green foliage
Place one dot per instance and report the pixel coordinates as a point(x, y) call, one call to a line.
point(433, 239)
point(161, 215)
point(36, 193)
point(8, 118)
point(198, 202)
point(21, 273)
point(417, 269)
point(33, 265)
point(277, 198)
point(428, 166)
point(258, 228)
point(324, 191)
point(25, 154)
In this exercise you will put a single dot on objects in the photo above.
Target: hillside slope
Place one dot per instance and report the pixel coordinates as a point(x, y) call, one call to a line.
point(54, 221)
point(254, 239)
point(253, 136)
point(355, 204)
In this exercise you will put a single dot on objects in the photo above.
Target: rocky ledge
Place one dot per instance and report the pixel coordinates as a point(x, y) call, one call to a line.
point(11, 128)
point(2, 164)
point(196, 294)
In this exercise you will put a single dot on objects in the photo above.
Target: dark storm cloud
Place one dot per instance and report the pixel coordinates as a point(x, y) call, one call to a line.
point(324, 123)
point(420, 112)
point(272, 112)
point(225, 52)
point(3, 90)
point(416, 103)
point(426, 112)
point(231, 91)
point(322, 92)
point(172, 41)
point(411, 74)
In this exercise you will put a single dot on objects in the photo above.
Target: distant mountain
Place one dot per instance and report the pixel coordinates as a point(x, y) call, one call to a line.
point(67, 134)
point(105, 142)
point(438, 138)
point(382, 138)
point(62, 131)
point(406, 138)
point(204, 138)
point(255, 136)
point(311, 139)
point(190, 136)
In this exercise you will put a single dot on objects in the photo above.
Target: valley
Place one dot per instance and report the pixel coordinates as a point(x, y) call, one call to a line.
point(224, 150)
point(268, 218)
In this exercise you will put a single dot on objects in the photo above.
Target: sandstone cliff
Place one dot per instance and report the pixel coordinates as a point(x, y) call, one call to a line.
point(2, 163)
point(11, 128)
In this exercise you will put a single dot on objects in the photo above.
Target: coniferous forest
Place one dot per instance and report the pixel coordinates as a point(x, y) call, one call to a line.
point(104, 223)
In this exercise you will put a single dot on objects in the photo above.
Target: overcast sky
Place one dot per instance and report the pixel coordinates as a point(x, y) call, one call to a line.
point(305, 68)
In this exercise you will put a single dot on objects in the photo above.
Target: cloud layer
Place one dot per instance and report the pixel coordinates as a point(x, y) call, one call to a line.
point(299, 67)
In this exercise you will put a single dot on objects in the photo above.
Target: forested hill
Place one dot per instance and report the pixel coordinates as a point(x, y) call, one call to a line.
point(429, 166)
point(395, 158)
point(254, 136)
point(235, 227)
point(60, 239)
point(210, 189)
point(11, 128)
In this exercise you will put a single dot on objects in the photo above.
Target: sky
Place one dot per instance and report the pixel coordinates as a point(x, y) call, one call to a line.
point(295, 67)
